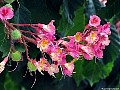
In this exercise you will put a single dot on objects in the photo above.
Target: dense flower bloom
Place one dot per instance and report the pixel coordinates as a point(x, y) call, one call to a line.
point(94, 21)
point(88, 44)
point(6, 13)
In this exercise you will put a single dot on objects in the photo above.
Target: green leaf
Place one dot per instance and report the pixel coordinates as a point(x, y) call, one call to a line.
point(22, 15)
point(69, 6)
point(4, 44)
point(93, 72)
point(43, 11)
point(78, 23)
point(5, 48)
point(2, 33)
point(33, 51)
point(111, 52)
point(78, 76)
point(20, 47)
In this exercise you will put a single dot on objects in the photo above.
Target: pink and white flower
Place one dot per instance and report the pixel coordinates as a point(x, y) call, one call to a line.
point(68, 68)
point(2, 64)
point(52, 69)
point(50, 28)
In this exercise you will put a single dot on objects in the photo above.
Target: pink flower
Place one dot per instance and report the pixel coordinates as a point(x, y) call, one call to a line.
point(53, 69)
point(92, 38)
point(78, 37)
point(104, 29)
point(99, 53)
point(104, 39)
point(68, 68)
point(97, 45)
point(2, 64)
point(50, 28)
point(42, 65)
point(72, 48)
point(43, 44)
point(57, 54)
point(6, 13)
point(88, 52)
point(94, 21)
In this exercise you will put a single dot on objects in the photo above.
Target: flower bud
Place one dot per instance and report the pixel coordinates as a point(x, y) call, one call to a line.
point(16, 56)
point(16, 34)
point(31, 66)
point(8, 5)
point(9, 1)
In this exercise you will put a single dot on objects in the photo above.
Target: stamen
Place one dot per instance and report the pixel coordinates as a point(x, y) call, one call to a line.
point(25, 73)
point(14, 68)
point(34, 81)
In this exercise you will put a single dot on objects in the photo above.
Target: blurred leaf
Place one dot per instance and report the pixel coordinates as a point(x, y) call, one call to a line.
point(2, 79)
point(111, 9)
point(89, 9)
point(9, 84)
point(43, 11)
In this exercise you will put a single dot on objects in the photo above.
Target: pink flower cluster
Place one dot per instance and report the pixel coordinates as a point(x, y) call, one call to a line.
point(88, 44)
